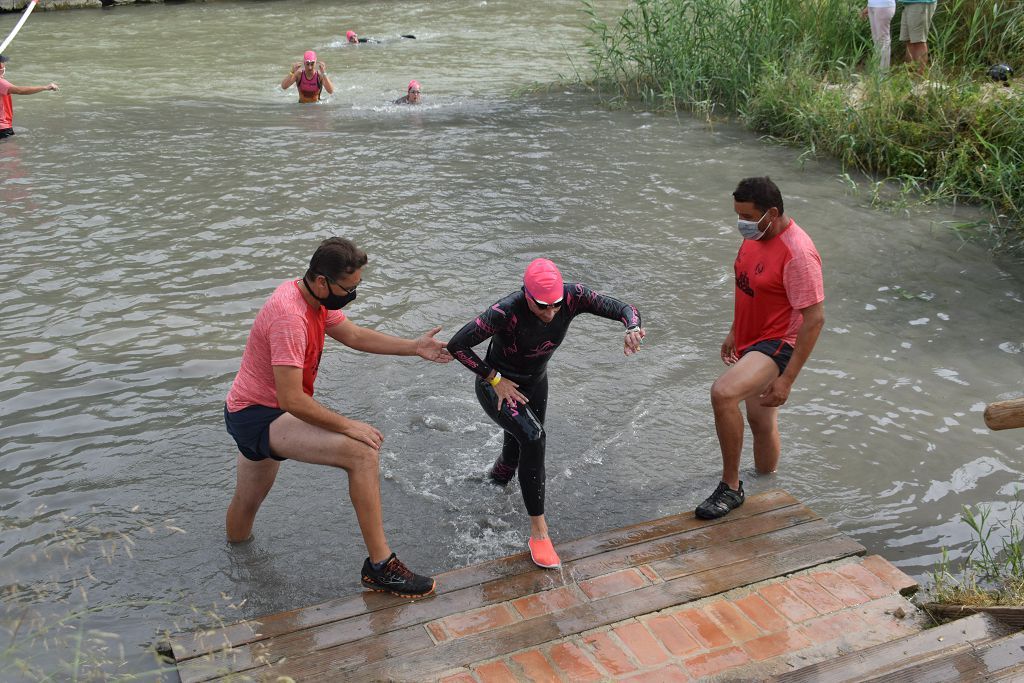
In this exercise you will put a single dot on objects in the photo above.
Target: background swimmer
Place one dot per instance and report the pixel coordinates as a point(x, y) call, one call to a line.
point(412, 94)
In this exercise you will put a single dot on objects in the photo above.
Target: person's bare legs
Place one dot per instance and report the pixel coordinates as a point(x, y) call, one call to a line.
point(745, 379)
point(538, 527)
point(764, 425)
point(252, 484)
point(294, 439)
point(917, 53)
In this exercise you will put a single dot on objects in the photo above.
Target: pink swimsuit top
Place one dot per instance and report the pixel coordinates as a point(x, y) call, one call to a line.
point(308, 86)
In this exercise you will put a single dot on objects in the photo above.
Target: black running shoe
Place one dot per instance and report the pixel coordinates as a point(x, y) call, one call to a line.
point(501, 474)
point(395, 577)
point(721, 502)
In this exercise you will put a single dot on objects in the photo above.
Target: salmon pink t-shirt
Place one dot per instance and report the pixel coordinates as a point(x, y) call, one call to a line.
point(775, 279)
point(6, 106)
point(287, 331)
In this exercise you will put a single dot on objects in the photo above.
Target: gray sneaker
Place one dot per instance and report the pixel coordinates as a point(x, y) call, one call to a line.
point(721, 502)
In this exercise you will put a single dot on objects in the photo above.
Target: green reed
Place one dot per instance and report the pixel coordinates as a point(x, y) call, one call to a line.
point(993, 572)
point(803, 71)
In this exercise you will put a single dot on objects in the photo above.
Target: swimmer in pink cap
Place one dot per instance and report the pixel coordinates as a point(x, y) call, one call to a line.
point(412, 94)
point(351, 37)
point(310, 78)
point(525, 328)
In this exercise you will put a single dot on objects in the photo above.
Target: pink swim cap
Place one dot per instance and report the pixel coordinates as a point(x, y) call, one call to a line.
point(413, 85)
point(349, 35)
point(310, 56)
point(543, 282)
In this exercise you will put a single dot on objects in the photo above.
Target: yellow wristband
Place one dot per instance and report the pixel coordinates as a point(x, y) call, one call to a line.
point(494, 380)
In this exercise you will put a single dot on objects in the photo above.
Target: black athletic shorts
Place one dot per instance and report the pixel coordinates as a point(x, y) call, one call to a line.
point(6, 133)
point(776, 349)
point(250, 428)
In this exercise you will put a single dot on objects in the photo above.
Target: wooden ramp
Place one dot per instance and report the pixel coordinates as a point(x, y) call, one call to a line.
point(489, 610)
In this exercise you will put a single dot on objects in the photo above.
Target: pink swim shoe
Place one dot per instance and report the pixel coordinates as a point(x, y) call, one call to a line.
point(543, 554)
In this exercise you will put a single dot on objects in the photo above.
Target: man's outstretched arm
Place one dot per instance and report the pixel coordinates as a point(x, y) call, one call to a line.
point(31, 89)
point(371, 341)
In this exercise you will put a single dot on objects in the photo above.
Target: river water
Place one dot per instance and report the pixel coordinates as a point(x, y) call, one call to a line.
point(149, 208)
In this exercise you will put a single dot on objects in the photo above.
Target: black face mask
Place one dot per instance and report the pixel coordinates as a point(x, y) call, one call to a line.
point(332, 302)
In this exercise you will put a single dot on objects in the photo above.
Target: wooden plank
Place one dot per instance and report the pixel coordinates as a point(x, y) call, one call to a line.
point(973, 664)
point(898, 653)
point(1007, 614)
point(392, 644)
point(764, 561)
point(1013, 674)
point(249, 655)
point(721, 556)
point(193, 644)
point(675, 546)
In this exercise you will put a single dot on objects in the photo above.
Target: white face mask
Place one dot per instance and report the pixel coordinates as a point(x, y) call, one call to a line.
point(749, 229)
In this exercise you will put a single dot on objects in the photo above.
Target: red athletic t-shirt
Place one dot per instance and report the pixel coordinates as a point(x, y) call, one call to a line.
point(775, 279)
point(6, 105)
point(287, 331)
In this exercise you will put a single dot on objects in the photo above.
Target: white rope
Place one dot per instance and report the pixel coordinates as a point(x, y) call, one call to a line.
point(17, 27)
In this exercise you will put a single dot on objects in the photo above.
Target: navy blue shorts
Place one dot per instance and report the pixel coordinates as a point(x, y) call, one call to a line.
point(776, 349)
point(250, 428)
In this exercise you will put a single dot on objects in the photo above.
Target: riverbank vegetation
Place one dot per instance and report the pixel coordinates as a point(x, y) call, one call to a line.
point(992, 574)
point(803, 71)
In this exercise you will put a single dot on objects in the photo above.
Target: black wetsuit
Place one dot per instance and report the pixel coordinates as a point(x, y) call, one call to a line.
point(521, 345)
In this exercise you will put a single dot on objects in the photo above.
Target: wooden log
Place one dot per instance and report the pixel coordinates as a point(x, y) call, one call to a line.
point(1005, 414)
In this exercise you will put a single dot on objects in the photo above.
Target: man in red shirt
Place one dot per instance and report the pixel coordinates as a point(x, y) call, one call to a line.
point(272, 415)
point(778, 315)
point(6, 105)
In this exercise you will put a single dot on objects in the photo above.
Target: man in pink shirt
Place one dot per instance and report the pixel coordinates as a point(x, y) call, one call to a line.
point(6, 105)
point(272, 415)
point(778, 315)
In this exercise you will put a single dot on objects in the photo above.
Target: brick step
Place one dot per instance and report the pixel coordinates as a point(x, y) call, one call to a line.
point(917, 655)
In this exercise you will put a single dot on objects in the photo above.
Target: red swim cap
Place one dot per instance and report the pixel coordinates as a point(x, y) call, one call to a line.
point(543, 282)
point(310, 56)
point(349, 35)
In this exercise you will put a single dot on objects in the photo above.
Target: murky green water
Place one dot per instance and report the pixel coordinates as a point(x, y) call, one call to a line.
point(149, 208)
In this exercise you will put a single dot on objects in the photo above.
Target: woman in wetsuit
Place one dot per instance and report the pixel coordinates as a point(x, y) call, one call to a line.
point(525, 329)
point(310, 78)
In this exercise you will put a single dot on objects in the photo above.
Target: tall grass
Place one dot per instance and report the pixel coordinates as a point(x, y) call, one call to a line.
point(970, 35)
point(803, 71)
point(687, 52)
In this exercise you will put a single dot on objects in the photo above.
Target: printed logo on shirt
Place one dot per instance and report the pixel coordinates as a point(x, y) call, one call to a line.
point(743, 284)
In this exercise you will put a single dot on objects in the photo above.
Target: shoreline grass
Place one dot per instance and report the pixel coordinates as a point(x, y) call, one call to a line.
point(803, 71)
point(992, 574)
